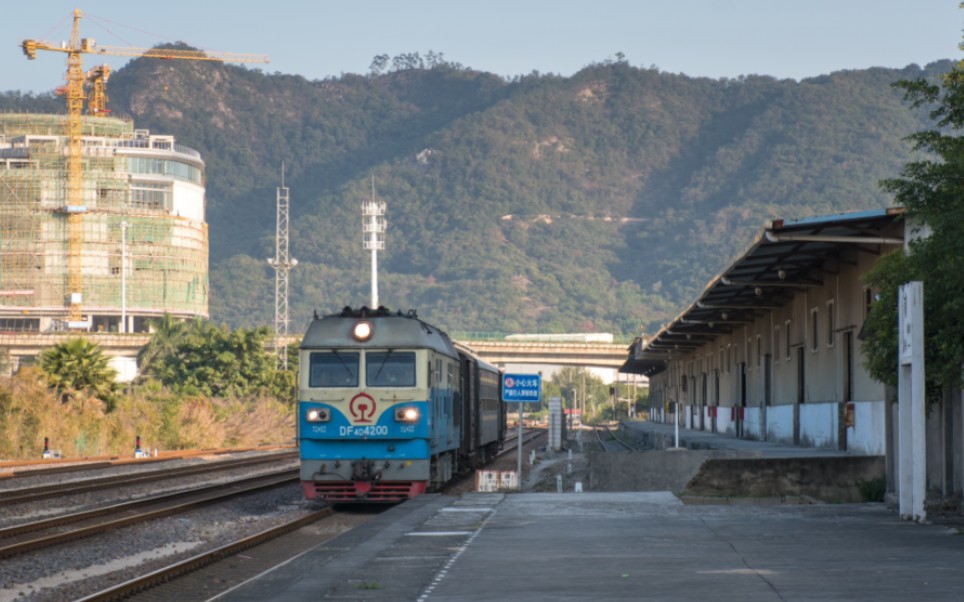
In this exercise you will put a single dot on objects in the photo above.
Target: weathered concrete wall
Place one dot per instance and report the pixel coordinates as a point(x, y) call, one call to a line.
point(869, 435)
point(780, 423)
point(752, 423)
point(818, 424)
point(724, 421)
point(833, 479)
point(648, 470)
point(719, 473)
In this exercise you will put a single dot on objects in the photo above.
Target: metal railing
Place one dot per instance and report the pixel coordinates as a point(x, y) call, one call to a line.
point(618, 339)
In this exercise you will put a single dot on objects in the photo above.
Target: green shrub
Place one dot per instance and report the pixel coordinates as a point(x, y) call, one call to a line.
point(872, 490)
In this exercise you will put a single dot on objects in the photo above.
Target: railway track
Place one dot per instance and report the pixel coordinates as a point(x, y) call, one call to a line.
point(610, 441)
point(512, 443)
point(180, 581)
point(40, 534)
point(29, 468)
point(69, 557)
point(208, 558)
point(32, 494)
point(203, 574)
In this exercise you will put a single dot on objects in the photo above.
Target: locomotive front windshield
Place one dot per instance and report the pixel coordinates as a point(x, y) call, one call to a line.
point(333, 369)
point(341, 369)
point(390, 368)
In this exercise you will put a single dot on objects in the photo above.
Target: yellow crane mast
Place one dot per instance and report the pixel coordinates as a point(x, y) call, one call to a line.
point(96, 78)
point(97, 82)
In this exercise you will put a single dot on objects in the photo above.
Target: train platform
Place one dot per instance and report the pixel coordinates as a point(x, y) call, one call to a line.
point(622, 546)
point(705, 440)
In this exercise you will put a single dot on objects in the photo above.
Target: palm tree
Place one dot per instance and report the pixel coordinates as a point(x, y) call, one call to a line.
point(168, 333)
point(79, 366)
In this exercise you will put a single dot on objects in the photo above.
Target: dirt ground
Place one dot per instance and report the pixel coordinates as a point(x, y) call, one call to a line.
point(540, 467)
point(555, 471)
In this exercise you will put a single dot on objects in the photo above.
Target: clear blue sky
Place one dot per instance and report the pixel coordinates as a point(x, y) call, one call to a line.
point(322, 38)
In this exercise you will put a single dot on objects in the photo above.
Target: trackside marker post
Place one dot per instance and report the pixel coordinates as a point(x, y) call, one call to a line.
point(911, 406)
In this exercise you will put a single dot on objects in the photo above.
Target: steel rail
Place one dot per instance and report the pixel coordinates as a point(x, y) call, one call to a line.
point(19, 496)
point(201, 560)
point(613, 437)
point(527, 437)
point(169, 505)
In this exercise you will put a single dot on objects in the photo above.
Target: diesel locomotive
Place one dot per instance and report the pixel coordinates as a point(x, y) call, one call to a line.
point(390, 407)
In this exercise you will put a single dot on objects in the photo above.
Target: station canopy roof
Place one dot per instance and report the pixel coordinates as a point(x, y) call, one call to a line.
point(787, 256)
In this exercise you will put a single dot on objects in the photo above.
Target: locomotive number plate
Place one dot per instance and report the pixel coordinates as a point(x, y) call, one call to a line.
point(363, 431)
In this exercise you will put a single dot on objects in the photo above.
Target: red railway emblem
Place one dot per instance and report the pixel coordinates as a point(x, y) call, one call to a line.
point(362, 408)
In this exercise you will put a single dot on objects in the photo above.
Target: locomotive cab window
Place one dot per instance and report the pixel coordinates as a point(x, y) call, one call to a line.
point(333, 369)
point(390, 368)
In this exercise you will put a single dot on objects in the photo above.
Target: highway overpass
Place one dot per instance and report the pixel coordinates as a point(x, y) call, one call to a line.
point(498, 352)
point(589, 355)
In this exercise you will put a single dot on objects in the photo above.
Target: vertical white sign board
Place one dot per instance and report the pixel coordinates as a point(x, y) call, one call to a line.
point(911, 407)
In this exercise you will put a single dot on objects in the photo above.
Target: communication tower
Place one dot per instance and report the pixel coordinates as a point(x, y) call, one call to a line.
point(373, 229)
point(282, 264)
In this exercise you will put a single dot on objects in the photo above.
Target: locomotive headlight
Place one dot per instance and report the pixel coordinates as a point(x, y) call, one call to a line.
point(318, 415)
point(362, 331)
point(406, 414)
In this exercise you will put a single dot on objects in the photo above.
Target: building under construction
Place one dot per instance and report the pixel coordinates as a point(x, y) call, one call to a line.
point(137, 243)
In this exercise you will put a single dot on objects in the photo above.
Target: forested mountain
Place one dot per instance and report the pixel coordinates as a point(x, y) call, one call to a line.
point(599, 202)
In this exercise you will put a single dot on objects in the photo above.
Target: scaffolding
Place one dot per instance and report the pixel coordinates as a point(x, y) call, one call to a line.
point(143, 244)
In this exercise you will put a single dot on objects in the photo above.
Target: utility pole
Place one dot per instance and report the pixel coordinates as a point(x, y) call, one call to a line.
point(572, 412)
point(373, 230)
point(123, 323)
point(584, 396)
point(282, 264)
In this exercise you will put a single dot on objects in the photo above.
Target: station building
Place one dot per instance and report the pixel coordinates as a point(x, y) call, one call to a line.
point(771, 349)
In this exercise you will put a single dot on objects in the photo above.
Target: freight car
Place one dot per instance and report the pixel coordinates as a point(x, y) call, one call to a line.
point(390, 407)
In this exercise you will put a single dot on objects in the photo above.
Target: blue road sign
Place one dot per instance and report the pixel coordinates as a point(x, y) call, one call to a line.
point(521, 388)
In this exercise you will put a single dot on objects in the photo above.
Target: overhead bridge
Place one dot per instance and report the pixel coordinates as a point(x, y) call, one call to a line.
point(31, 344)
point(590, 355)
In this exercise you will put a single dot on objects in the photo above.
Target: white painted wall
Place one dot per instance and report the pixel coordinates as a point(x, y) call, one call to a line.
point(724, 422)
point(818, 424)
point(780, 424)
point(753, 423)
point(126, 368)
point(868, 433)
point(188, 201)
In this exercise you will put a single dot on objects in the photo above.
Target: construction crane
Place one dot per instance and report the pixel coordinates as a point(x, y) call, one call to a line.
point(96, 79)
point(97, 82)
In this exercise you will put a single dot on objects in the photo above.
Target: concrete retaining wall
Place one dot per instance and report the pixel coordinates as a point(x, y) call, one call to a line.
point(648, 470)
point(833, 479)
point(730, 473)
point(718, 473)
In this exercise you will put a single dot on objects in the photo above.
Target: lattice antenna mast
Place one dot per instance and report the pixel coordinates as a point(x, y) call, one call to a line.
point(373, 230)
point(282, 264)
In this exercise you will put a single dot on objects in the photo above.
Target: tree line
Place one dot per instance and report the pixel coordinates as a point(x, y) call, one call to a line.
point(696, 165)
point(199, 386)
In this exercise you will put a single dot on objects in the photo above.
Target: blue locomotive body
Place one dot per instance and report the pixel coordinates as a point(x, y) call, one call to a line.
point(390, 407)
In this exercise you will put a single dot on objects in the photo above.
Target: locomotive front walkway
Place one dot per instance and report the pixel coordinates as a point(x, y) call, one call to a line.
point(623, 546)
